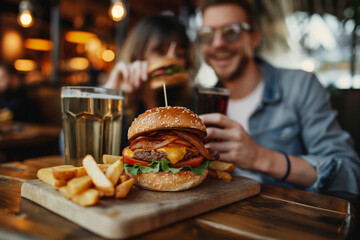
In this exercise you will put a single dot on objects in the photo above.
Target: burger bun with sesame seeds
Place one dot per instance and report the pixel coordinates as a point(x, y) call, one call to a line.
point(167, 118)
point(166, 151)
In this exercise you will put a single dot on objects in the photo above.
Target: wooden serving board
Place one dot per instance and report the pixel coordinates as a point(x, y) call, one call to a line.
point(141, 210)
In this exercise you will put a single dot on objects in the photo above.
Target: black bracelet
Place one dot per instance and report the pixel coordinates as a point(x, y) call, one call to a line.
point(288, 167)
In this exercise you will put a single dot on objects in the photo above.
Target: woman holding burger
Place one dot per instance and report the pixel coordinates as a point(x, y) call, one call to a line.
point(144, 50)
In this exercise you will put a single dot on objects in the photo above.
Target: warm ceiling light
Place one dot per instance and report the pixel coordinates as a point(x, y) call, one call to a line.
point(11, 45)
point(108, 55)
point(25, 17)
point(117, 10)
point(79, 36)
point(38, 44)
point(91, 48)
point(78, 63)
point(93, 45)
point(25, 65)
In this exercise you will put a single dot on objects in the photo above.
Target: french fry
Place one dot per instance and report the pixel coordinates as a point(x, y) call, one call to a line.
point(97, 176)
point(124, 178)
point(47, 176)
point(64, 166)
point(87, 198)
point(101, 193)
point(222, 166)
point(81, 172)
point(104, 167)
point(78, 185)
point(224, 175)
point(65, 191)
point(65, 172)
point(122, 190)
point(110, 159)
point(212, 172)
point(114, 172)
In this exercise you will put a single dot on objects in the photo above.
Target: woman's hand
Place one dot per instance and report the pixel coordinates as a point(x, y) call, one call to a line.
point(236, 145)
point(128, 76)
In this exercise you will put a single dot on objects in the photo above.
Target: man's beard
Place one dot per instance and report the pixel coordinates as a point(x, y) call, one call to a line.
point(238, 71)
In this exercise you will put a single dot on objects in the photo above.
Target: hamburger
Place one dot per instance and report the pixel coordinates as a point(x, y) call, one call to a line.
point(166, 151)
point(166, 70)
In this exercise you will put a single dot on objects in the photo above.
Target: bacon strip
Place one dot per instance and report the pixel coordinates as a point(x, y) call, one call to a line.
point(152, 143)
point(196, 142)
point(161, 140)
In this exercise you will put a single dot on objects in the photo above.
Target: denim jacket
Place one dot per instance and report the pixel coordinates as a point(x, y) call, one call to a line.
point(295, 117)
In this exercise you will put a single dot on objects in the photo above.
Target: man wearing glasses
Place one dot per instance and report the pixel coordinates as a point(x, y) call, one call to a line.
point(280, 128)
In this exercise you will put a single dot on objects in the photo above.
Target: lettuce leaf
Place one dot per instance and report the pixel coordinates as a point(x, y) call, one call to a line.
point(174, 69)
point(169, 71)
point(163, 165)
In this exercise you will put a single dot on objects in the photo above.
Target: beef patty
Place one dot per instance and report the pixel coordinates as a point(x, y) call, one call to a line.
point(158, 155)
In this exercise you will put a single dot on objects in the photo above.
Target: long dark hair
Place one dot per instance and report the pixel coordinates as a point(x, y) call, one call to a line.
point(162, 28)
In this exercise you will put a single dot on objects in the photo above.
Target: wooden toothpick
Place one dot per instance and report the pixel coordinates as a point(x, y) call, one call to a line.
point(171, 50)
point(165, 96)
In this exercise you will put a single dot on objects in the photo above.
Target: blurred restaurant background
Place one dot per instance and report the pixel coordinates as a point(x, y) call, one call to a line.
point(52, 43)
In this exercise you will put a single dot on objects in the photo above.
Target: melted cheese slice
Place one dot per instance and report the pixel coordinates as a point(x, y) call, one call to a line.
point(129, 153)
point(174, 154)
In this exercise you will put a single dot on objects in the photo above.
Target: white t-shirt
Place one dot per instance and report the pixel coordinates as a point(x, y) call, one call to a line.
point(240, 111)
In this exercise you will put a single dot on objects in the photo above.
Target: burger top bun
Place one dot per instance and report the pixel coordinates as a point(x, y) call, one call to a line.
point(167, 118)
point(163, 62)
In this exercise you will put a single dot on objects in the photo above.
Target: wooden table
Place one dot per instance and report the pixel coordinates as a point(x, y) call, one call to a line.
point(28, 140)
point(276, 213)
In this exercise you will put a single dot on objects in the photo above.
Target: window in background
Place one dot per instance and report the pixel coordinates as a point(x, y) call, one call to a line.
point(320, 37)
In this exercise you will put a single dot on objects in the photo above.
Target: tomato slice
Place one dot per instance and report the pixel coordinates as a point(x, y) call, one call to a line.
point(133, 161)
point(189, 162)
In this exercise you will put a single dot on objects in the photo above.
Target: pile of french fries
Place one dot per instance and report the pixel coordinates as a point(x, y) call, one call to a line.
point(221, 170)
point(85, 185)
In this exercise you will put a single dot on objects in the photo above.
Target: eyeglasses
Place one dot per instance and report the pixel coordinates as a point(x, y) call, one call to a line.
point(230, 33)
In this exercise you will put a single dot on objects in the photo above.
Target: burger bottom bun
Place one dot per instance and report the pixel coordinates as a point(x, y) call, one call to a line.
point(168, 182)
point(170, 80)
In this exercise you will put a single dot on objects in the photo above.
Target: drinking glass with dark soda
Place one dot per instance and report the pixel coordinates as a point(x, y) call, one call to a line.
point(212, 100)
